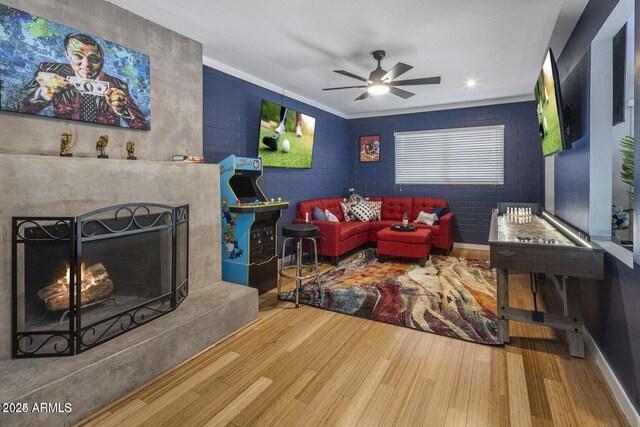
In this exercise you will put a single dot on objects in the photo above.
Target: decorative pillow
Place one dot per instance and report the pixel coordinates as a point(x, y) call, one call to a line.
point(330, 217)
point(355, 198)
point(426, 218)
point(376, 208)
point(318, 214)
point(346, 211)
point(362, 211)
point(439, 211)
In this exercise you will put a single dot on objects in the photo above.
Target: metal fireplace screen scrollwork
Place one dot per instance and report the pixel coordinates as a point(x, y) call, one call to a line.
point(81, 281)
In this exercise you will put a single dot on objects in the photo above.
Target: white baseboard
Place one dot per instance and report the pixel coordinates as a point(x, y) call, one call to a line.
point(470, 246)
point(618, 391)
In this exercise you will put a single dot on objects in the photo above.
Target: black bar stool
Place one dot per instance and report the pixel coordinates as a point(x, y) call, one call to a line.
point(298, 233)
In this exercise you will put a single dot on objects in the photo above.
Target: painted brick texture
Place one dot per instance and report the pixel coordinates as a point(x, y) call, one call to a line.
point(472, 204)
point(231, 122)
point(231, 126)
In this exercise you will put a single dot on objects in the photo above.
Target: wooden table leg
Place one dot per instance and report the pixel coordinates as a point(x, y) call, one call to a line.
point(503, 303)
point(573, 310)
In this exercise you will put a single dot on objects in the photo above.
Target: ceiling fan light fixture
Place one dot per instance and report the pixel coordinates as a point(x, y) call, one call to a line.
point(381, 81)
point(378, 89)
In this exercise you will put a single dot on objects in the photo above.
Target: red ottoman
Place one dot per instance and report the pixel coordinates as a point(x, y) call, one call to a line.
point(409, 244)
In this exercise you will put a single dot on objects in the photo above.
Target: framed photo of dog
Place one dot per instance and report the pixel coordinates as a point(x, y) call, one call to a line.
point(370, 148)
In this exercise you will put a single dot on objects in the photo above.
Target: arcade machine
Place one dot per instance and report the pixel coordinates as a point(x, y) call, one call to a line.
point(249, 225)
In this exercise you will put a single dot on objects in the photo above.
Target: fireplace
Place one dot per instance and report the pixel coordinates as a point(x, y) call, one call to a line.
point(81, 281)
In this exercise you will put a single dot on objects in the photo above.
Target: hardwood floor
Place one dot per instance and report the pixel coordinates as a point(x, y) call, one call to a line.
point(310, 366)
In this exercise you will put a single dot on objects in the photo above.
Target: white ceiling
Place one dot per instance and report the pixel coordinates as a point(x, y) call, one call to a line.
point(293, 45)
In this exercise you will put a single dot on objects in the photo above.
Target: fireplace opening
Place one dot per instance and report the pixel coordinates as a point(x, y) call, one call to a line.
point(81, 281)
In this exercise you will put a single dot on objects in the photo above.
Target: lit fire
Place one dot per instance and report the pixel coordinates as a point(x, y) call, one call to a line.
point(87, 274)
point(95, 285)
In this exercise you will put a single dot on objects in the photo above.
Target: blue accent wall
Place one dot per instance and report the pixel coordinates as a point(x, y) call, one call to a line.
point(571, 183)
point(232, 126)
point(471, 204)
point(611, 306)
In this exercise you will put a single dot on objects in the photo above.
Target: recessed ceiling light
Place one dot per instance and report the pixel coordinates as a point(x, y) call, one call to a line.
point(471, 83)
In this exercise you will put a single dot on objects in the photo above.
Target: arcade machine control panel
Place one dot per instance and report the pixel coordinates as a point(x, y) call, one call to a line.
point(259, 205)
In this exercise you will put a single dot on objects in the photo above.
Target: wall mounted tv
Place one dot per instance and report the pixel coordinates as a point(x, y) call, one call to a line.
point(286, 137)
point(549, 108)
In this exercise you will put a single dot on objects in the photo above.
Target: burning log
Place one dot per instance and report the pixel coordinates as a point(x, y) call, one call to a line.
point(95, 286)
point(91, 294)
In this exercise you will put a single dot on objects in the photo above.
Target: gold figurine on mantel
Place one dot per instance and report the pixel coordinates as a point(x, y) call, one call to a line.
point(66, 143)
point(131, 150)
point(101, 145)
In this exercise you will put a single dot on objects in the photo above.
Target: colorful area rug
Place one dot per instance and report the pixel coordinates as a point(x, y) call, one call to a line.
point(450, 296)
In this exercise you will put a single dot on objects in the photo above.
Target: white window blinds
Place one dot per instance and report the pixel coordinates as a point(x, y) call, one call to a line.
point(472, 155)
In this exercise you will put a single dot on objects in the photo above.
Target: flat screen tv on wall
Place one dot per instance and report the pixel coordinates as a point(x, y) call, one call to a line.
point(549, 108)
point(286, 137)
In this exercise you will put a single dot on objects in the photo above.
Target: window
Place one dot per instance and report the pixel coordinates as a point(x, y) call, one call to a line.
point(473, 155)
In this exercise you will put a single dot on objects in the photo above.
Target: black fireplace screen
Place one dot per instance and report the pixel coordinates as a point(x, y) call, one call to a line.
point(81, 281)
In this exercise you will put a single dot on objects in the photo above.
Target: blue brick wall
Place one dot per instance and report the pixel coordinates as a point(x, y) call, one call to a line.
point(231, 126)
point(605, 304)
point(574, 67)
point(472, 204)
point(571, 182)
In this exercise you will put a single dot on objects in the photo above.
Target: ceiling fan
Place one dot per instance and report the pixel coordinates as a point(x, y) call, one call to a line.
point(381, 81)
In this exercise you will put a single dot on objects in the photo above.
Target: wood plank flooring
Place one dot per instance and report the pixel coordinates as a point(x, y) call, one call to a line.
point(309, 366)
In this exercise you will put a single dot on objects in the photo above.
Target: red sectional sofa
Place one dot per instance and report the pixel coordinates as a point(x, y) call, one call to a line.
point(340, 237)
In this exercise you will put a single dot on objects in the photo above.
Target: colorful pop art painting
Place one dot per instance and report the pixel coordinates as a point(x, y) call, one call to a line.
point(52, 70)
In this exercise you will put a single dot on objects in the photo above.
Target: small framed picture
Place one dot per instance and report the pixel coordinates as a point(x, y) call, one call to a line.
point(370, 148)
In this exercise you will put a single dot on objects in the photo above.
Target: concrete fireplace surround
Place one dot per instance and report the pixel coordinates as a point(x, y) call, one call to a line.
point(47, 185)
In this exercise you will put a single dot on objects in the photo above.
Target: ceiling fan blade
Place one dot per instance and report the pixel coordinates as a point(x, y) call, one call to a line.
point(424, 81)
point(363, 96)
point(348, 74)
point(401, 93)
point(399, 69)
point(343, 87)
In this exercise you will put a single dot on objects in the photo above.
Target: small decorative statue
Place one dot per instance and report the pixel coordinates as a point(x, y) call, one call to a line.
point(66, 143)
point(131, 150)
point(101, 145)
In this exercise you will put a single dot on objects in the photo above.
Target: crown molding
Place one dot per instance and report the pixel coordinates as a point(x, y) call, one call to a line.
point(266, 85)
point(439, 107)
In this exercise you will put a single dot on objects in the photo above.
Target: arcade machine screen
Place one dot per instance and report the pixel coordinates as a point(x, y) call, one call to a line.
point(244, 189)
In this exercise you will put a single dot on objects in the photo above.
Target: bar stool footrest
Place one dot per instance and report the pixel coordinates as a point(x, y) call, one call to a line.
point(291, 267)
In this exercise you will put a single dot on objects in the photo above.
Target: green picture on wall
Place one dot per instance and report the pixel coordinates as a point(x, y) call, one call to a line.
point(547, 96)
point(286, 137)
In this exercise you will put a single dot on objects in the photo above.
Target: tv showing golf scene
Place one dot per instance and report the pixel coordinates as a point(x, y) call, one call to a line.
point(286, 137)
point(548, 107)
